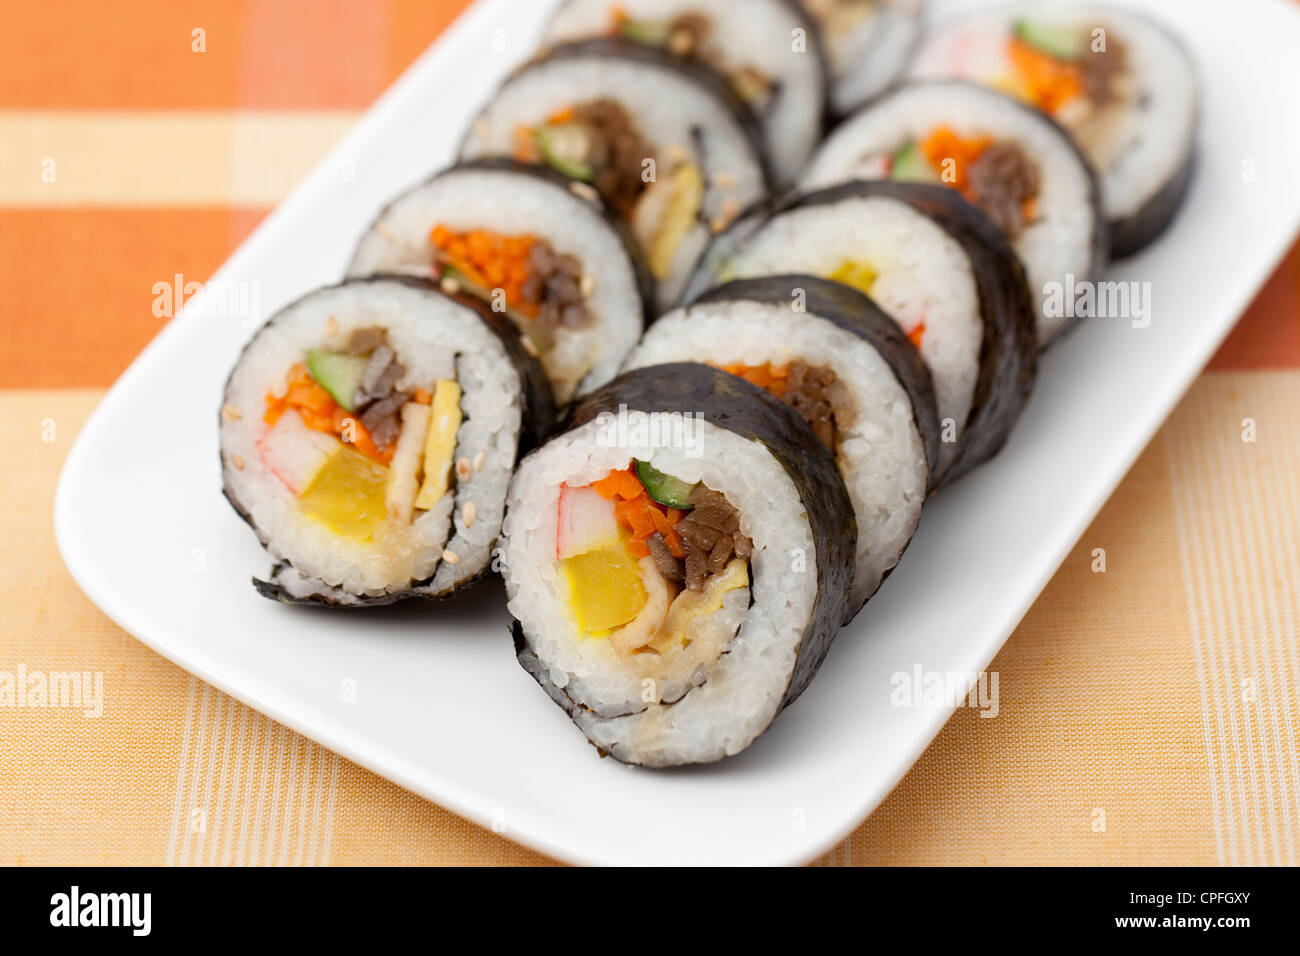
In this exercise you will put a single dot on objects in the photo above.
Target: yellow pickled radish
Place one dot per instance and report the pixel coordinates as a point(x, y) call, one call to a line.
point(605, 589)
point(349, 495)
point(680, 213)
point(859, 275)
point(440, 443)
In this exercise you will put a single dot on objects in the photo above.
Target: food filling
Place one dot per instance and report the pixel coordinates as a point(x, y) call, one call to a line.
point(598, 143)
point(646, 556)
point(690, 35)
point(360, 448)
point(808, 389)
point(1080, 75)
point(542, 290)
point(998, 177)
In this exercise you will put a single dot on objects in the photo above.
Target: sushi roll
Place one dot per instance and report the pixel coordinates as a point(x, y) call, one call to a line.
point(769, 52)
point(832, 355)
point(1123, 86)
point(678, 562)
point(937, 266)
point(564, 269)
point(368, 431)
point(1020, 168)
point(868, 44)
point(666, 142)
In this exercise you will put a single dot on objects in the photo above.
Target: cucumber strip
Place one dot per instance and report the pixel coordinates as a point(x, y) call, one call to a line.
point(562, 146)
point(1058, 42)
point(910, 166)
point(338, 374)
point(665, 489)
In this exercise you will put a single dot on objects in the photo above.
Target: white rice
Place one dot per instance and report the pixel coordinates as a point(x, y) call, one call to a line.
point(676, 115)
point(514, 203)
point(763, 35)
point(1059, 242)
point(727, 702)
point(880, 452)
point(1136, 149)
point(922, 275)
point(434, 338)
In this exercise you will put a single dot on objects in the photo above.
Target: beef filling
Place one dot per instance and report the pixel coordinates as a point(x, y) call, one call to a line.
point(807, 391)
point(377, 400)
point(615, 151)
point(1002, 180)
point(555, 283)
point(711, 537)
point(1101, 70)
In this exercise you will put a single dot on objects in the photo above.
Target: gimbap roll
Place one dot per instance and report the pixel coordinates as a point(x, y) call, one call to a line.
point(1124, 87)
point(767, 50)
point(558, 264)
point(368, 431)
point(868, 43)
point(664, 141)
point(1020, 168)
point(937, 266)
point(833, 356)
point(678, 562)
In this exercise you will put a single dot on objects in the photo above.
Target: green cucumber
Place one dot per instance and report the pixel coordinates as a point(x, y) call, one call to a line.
point(647, 32)
point(564, 147)
point(911, 166)
point(1056, 40)
point(665, 489)
point(338, 374)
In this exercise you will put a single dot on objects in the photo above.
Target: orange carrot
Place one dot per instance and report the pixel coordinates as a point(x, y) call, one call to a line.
point(421, 397)
point(319, 412)
point(490, 259)
point(1050, 83)
point(944, 144)
point(622, 483)
point(915, 335)
point(768, 376)
point(639, 513)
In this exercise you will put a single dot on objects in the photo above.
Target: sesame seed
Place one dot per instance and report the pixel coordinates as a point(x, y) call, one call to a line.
point(469, 513)
point(231, 413)
point(724, 179)
point(384, 231)
point(583, 191)
point(331, 327)
point(450, 286)
point(462, 469)
point(451, 557)
point(237, 461)
point(480, 460)
point(587, 285)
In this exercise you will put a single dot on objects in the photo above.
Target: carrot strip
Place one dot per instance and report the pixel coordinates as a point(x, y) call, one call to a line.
point(622, 483)
point(319, 412)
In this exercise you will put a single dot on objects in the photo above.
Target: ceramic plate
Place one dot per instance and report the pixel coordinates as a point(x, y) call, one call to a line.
point(441, 707)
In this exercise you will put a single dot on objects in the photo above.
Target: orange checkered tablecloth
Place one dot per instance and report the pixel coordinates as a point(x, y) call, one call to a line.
point(1147, 715)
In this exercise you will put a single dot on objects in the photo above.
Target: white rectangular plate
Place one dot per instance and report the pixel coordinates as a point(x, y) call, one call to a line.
point(442, 708)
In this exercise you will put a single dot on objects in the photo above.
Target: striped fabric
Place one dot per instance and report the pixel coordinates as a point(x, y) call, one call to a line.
point(1148, 714)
